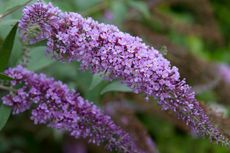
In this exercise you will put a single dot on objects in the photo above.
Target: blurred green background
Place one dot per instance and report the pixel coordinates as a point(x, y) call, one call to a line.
point(200, 27)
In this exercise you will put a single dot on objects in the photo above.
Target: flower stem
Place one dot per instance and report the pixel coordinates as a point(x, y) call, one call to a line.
point(6, 88)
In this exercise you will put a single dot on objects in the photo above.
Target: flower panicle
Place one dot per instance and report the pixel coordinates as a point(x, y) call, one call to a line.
point(64, 109)
point(101, 47)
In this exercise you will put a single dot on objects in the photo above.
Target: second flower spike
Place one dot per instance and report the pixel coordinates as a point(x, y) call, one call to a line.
point(64, 109)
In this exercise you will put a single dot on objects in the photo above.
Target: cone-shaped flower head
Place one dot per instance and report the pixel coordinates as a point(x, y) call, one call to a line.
point(62, 108)
point(103, 48)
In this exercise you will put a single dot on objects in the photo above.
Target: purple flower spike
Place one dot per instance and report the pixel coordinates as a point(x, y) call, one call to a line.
point(62, 108)
point(103, 48)
point(37, 22)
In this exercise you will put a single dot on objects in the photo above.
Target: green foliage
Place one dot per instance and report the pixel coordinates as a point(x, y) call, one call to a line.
point(141, 7)
point(12, 6)
point(196, 46)
point(6, 48)
point(4, 115)
point(119, 11)
point(38, 60)
point(4, 77)
point(5, 52)
point(116, 86)
point(83, 4)
point(96, 80)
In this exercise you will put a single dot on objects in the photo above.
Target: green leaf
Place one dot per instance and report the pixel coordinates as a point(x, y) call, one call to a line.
point(116, 86)
point(4, 115)
point(141, 7)
point(119, 11)
point(96, 80)
point(39, 44)
point(4, 77)
point(38, 60)
point(84, 5)
point(7, 47)
point(196, 45)
point(8, 22)
point(13, 9)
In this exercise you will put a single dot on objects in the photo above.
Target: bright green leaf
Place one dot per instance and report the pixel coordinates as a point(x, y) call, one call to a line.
point(4, 115)
point(7, 47)
point(116, 86)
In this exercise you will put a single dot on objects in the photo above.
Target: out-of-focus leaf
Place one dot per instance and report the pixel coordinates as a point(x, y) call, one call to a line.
point(4, 115)
point(83, 4)
point(13, 9)
point(38, 59)
point(141, 7)
point(119, 11)
point(96, 80)
point(196, 45)
point(8, 22)
point(39, 44)
point(116, 86)
point(4, 77)
point(6, 48)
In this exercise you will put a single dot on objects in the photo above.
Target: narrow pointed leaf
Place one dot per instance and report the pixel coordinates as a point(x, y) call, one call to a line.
point(4, 115)
point(7, 47)
point(4, 77)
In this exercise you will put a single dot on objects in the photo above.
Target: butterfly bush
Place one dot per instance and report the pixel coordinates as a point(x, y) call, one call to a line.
point(64, 109)
point(104, 48)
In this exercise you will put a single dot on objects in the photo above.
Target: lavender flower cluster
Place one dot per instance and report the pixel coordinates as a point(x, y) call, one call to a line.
point(38, 21)
point(103, 48)
point(224, 72)
point(62, 108)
